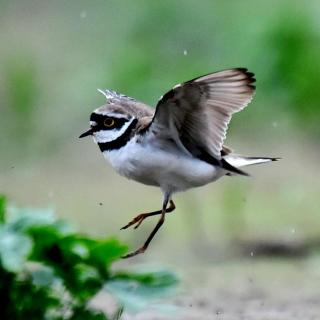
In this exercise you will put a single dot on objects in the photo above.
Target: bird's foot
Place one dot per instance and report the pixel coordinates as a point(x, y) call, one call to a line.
point(134, 253)
point(137, 220)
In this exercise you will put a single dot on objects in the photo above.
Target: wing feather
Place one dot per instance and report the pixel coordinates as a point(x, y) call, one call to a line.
point(196, 113)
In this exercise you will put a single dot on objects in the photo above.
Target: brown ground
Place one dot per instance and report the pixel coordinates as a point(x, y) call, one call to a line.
point(248, 289)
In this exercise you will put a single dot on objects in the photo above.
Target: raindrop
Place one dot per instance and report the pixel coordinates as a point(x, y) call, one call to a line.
point(274, 124)
point(293, 230)
point(185, 52)
point(251, 253)
point(83, 14)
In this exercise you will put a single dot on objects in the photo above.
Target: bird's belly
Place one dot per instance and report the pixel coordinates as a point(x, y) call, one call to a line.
point(169, 170)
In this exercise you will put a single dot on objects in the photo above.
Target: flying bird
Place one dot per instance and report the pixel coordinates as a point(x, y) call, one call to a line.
point(179, 144)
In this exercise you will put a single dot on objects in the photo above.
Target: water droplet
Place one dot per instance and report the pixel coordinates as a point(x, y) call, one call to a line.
point(293, 230)
point(274, 124)
point(83, 14)
point(185, 52)
point(251, 253)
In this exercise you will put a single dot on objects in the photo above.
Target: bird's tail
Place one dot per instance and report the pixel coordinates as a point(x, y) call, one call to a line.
point(239, 161)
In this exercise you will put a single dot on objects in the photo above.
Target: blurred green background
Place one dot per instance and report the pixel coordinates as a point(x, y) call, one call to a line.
point(55, 54)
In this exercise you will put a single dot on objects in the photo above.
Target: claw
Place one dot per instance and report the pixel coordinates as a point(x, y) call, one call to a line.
point(138, 224)
point(134, 253)
point(138, 219)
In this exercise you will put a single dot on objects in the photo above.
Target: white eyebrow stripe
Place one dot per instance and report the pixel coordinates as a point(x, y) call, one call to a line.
point(93, 123)
point(117, 115)
point(112, 114)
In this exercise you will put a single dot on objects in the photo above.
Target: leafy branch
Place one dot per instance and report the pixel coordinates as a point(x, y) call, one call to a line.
point(49, 271)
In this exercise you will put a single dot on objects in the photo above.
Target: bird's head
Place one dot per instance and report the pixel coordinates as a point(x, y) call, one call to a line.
point(111, 121)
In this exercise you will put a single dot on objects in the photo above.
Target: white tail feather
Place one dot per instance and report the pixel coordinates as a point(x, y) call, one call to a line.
point(242, 161)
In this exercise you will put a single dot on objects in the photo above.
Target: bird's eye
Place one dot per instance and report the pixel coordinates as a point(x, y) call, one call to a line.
point(108, 122)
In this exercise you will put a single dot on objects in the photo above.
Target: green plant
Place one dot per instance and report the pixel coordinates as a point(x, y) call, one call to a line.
point(49, 271)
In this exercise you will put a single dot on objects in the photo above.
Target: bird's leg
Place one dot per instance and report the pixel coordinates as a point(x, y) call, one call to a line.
point(139, 218)
point(155, 230)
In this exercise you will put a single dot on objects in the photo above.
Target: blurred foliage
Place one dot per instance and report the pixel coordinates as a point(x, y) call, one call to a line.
point(53, 56)
point(21, 83)
point(49, 271)
point(141, 290)
point(295, 69)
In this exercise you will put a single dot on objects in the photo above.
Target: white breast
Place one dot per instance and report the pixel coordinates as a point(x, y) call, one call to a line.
point(168, 167)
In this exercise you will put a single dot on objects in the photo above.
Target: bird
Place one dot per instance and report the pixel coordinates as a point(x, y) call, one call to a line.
point(179, 144)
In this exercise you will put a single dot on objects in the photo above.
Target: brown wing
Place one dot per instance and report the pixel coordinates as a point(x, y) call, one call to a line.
point(196, 113)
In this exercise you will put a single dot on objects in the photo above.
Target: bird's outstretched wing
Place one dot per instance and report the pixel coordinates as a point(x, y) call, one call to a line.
point(196, 114)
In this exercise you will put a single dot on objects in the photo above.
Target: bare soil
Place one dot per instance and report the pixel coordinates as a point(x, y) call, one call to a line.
point(248, 289)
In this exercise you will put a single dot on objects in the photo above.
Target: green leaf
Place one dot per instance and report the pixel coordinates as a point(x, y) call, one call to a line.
point(83, 313)
point(140, 291)
point(48, 268)
point(86, 273)
point(162, 278)
point(31, 302)
point(77, 245)
point(45, 238)
point(86, 282)
point(104, 252)
point(3, 203)
point(14, 249)
point(43, 276)
point(118, 314)
point(25, 218)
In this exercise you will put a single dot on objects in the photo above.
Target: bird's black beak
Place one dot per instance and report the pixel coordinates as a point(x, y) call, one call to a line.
point(87, 133)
